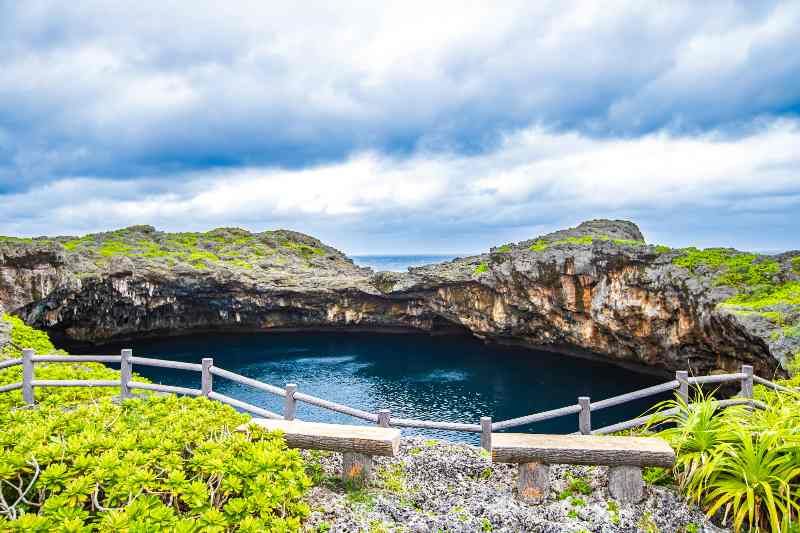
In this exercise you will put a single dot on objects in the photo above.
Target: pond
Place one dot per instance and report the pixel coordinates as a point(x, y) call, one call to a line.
point(445, 378)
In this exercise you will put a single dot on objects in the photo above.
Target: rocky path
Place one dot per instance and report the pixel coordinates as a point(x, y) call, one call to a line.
point(437, 486)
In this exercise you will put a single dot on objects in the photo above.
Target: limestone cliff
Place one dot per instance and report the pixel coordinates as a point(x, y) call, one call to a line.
point(595, 289)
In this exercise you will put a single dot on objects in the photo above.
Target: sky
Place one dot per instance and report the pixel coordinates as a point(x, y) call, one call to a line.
point(403, 127)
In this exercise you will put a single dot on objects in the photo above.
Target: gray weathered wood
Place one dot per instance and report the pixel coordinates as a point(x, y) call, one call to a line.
point(11, 386)
point(533, 483)
point(206, 378)
point(289, 403)
point(747, 382)
point(76, 358)
point(125, 373)
point(775, 386)
point(716, 378)
point(486, 433)
point(625, 483)
point(249, 408)
point(10, 362)
point(430, 424)
point(581, 449)
point(369, 440)
point(634, 395)
point(585, 415)
point(164, 388)
point(536, 417)
point(163, 363)
point(75, 383)
point(333, 406)
point(27, 375)
point(384, 418)
point(356, 468)
point(250, 382)
point(682, 377)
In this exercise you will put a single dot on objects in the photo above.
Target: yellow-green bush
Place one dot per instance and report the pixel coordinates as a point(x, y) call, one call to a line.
point(78, 462)
point(156, 464)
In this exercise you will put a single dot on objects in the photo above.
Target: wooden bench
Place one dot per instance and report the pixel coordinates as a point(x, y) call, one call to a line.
point(357, 443)
point(624, 455)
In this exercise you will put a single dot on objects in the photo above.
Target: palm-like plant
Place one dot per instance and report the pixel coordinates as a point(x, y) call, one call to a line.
point(742, 462)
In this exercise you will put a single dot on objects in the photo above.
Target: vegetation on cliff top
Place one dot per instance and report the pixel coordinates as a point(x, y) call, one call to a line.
point(80, 462)
point(230, 247)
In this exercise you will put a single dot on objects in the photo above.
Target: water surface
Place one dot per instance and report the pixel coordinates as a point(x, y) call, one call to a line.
point(452, 378)
point(399, 263)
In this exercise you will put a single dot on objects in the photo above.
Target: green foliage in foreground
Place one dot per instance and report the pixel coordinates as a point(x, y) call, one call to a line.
point(149, 465)
point(24, 336)
point(742, 463)
point(480, 269)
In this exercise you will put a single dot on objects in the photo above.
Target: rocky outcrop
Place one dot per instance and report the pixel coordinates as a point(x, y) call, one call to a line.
point(595, 290)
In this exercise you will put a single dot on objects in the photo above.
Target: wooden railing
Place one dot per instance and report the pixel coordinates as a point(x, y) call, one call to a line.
point(583, 408)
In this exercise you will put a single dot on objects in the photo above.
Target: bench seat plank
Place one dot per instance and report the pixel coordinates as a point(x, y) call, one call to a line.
point(581, 450)
point(368, 440)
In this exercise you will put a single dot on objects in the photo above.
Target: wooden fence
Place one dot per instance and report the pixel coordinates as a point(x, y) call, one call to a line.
point(583, 408)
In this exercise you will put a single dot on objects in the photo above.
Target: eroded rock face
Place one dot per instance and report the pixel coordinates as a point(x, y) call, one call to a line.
point(614, 297)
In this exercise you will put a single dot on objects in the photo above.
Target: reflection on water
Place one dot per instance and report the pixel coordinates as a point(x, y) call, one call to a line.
point(449, 378)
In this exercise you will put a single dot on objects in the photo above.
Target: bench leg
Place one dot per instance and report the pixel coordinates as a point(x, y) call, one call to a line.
point(356, 468)
point(625, 483)
point(534, 482)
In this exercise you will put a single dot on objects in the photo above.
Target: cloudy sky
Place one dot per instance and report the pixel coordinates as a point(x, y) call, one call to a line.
point(403, 127)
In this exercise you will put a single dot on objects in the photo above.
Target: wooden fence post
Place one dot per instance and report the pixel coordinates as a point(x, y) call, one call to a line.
point(383, 418)
point(585, 415)
point(125, 373)
point(27, 375)
point(206, 379)
point(683, 384)
point(747, 381)
point(486, 433)
point(289, 403)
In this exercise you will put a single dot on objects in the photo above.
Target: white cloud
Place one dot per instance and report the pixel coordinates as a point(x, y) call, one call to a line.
point(536, 177)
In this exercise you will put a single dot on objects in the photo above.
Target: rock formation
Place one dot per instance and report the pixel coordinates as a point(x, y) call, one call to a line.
point(595, 290)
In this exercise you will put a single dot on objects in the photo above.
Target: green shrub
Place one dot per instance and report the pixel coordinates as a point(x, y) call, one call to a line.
point(796, 264)
point(506, 248)
point(743, 463)
point(538, 246)
point(24, 336)
point(480, 269)
point(735, 269)
point(155, 464)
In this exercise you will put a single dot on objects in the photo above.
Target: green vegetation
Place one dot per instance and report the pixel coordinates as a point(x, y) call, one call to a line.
point(230, 247)
point(796, 264)
point(587, 240)
point(480, 269)
point(393, 478)
point(743, 463)
point(79, 461)
point(613, 512)
point(575, 486)
point(646, 524)
point(735, 269)
point(163, 463)
point(506, 248)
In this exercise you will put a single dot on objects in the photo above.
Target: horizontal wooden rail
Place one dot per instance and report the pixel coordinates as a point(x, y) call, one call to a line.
point(74, 383)
point(429, 424)
point(238, 378)
point(10, 362)
point(774, 386)
point(583, 408)
point(164, 388)
point(244, 406)
point(716, 378)
point(642, 420)
point(76, 358)
point(537, 417)
point(11, 386)
point(333, 406)
point(175, 365)
point(635, 395)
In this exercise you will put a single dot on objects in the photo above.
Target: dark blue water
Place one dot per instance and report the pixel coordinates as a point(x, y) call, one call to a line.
point(398, 263)
point(450, 378)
